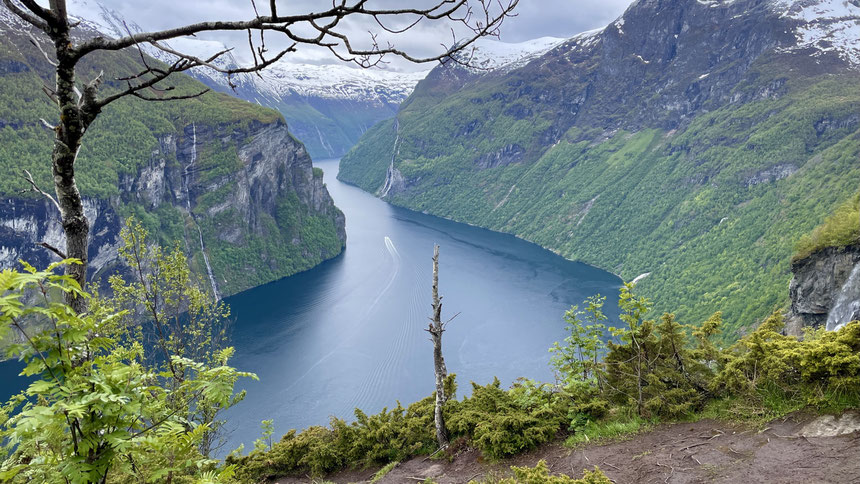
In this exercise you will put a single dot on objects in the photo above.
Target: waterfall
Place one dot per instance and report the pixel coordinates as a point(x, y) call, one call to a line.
point(323, 143)
point(389, 176)
point(847, 306)
point(185, 182)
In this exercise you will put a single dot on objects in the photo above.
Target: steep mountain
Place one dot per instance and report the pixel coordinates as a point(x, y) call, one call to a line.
point(222, 177)
point(695, 140)
point(327, 107)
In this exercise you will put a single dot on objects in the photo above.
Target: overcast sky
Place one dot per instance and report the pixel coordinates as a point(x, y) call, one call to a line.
point(535, 18)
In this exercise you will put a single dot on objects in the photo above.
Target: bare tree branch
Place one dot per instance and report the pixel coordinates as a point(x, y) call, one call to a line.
point(39, 46)
point(170, 98)
point(60, 253)
point(35, 188)
point(325, 21)
point(31, 19)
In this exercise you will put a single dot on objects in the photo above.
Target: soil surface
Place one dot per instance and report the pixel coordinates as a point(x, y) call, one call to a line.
point(800, 449)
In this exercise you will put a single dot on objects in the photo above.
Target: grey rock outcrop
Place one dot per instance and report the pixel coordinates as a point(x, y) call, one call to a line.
point(817, 282)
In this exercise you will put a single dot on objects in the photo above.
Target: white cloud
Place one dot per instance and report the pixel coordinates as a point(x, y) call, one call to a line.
point(534, 18)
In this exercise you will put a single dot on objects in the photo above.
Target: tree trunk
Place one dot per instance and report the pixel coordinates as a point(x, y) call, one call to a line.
point(436, 329)
point(73, 123)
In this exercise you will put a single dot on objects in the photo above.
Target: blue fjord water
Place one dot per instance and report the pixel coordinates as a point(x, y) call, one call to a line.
point(350, 332)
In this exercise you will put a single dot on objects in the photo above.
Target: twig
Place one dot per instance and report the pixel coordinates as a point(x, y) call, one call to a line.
point(53, 249)
point(671, 471)
point(35, 188)
point(440, 449)
point(701, 443)
point(694, 445)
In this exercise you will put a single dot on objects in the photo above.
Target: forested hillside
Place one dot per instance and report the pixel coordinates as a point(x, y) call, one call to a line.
point(214, 173)
point(696, 141)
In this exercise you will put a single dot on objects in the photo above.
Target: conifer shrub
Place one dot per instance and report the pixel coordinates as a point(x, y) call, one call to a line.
point(502, 423)
point(382, 438)
point(819, 370)
point(539, 474)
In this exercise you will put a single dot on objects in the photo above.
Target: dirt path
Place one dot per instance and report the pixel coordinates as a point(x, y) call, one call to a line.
point(797, 450)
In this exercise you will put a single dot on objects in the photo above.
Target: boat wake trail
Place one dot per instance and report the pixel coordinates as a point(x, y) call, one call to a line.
point(391, 250)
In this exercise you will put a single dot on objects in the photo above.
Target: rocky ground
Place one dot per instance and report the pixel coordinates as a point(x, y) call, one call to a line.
point(800, 449)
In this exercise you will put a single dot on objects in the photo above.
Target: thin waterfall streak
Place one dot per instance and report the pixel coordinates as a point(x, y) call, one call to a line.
point(186, 183)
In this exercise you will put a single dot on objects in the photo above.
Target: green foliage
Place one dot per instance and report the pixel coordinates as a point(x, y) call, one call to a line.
point(539, 474)
point(96, 410)
point(264, 443)
point(576, 360)
point(700, 208)
point(617, 425)
point(182, 323)
point(386, 437)
point(820, 370)
point(651, 366)
point(503, 423)
point(838, 230)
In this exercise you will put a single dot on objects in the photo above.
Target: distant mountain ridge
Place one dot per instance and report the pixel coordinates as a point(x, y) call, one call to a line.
point(692, 139)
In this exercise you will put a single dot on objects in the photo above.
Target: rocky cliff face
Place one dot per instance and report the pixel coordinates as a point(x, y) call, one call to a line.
point(816, 286)
point(236, 218)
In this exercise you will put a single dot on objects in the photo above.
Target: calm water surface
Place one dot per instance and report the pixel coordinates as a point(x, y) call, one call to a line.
point(350, 332)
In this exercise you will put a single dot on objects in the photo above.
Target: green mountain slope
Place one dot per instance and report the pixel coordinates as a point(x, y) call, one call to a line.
point(215, 164)
point(694, 142)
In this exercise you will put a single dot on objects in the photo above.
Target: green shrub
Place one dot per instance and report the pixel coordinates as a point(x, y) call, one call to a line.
point(539, 474)
point(500, 424)
point(370, 440)
point(824, 367)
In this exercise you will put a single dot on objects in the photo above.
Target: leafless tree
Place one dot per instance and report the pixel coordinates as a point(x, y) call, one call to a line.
point(79, 107)
point(436, 328)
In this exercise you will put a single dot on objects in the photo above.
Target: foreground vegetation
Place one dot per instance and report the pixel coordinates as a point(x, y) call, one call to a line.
point(132, 390)
point(651, 370)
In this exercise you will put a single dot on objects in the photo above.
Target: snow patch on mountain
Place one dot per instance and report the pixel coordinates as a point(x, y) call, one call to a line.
point(828, 26)
point(337, 82)
point(494, 55)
